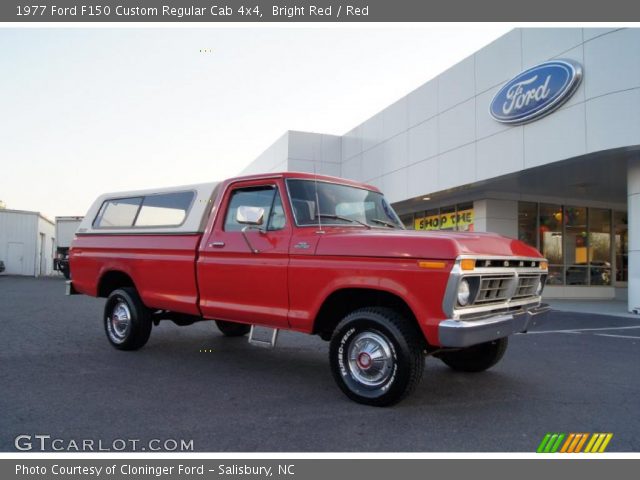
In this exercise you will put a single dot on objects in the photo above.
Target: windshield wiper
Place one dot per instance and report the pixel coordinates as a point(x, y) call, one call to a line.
point(382, 222)
point(346, 219)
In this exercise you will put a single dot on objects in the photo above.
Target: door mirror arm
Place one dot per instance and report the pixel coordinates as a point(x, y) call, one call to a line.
point(246, 238)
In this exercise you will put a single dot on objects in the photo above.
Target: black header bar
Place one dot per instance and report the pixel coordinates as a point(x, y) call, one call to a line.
point(318, 11)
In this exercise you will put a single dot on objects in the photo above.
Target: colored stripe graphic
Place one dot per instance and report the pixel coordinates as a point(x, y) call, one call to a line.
point(598, 442)
point(543, 443)
point(550, 443)
point(565, 447)
point(581, 443)
point(573, 442)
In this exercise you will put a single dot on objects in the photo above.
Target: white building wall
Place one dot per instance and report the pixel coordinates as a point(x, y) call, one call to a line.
point(450, 139)
point(301, 152)
point(633, 193)
point(46, 231)
point(18, 238)
point(496, 215)
point(20, 242)
point(273, 159)
point(441, 136)
point(314, 153)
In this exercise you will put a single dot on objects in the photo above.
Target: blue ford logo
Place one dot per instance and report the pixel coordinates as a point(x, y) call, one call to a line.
point(536, 92)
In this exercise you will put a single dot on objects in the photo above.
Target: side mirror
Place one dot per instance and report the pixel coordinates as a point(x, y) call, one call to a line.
point(250, 215)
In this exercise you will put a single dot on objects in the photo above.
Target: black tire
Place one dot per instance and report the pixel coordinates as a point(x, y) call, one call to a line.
point(477, 358)
point(398, 344)
point(232, 329)
point(123, 333)
point(64, 268)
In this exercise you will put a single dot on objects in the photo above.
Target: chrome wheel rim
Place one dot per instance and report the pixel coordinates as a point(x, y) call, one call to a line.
point(370, 359)
point(119, 322)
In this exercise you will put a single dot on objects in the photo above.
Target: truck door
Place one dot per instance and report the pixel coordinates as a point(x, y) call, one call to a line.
point(242, 268)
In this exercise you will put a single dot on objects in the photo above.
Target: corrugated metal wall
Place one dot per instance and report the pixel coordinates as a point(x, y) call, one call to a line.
point(20, 243)
point(48, 231)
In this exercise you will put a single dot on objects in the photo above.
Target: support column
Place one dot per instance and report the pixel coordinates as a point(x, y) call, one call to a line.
point(633, 214)
point(497, 216)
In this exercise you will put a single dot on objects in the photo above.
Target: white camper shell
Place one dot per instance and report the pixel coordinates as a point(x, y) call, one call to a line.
point(172, 210)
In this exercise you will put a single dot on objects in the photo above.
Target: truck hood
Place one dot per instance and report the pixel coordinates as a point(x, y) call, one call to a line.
point(418, 244)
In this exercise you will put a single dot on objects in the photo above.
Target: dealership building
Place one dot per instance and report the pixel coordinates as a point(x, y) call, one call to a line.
point(536, 137)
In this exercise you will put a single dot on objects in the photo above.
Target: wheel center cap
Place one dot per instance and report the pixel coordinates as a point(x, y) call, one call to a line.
point(364, 360)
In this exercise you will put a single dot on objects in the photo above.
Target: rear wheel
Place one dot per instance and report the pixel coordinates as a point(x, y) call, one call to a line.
point(232, 329)
point(376, 356)
point(477, 358)
point(127, 321)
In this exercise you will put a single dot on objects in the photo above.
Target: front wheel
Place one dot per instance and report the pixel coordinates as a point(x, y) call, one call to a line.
point(127, 321)
point(376, 356)
point(477, 358)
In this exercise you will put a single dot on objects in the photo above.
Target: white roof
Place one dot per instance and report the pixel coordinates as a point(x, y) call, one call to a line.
point(196, 216)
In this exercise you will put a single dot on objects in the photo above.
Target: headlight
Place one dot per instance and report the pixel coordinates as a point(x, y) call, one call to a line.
point(464, 293)
point(539, 287)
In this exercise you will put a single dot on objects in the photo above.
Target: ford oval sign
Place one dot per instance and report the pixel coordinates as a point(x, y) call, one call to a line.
point(536, 92)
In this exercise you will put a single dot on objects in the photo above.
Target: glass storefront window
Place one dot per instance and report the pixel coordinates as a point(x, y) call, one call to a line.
point(550, 240)
point(579, 242)
point(621, 233)
point(407, 220)
point(454, 217)
point(528, 222)
point(556, 275)
point(600, 246)
point(576, 248)
point(464, 217)
point(448, 218)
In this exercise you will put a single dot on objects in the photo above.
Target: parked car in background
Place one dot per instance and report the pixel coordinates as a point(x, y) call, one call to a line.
point(598, 271)
point(1, 266)
point(65, 231)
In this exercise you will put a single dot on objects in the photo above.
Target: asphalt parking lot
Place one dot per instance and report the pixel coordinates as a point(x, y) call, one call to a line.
point(60, 377)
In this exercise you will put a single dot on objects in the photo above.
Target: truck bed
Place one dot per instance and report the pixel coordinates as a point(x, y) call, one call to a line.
point(163, 267)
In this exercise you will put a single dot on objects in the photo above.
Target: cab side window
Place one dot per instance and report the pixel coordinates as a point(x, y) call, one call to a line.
point(265, 197)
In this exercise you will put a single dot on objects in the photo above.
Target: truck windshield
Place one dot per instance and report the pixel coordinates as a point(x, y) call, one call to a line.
point(339, 205)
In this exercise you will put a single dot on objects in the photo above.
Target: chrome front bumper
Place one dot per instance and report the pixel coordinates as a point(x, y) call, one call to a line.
point(464, 333)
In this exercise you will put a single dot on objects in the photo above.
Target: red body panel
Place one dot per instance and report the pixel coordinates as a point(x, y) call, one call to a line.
point(239, 285)
point(162, 267)
point(314, 278)
point(295, 271)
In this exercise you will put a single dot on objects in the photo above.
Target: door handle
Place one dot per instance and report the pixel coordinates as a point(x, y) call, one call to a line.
point(217, 244)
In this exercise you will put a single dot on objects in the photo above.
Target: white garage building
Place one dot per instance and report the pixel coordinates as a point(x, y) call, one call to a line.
point(536, 136)
point(26, 243)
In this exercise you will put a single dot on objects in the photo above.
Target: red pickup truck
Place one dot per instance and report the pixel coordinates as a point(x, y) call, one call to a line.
point(314, 254)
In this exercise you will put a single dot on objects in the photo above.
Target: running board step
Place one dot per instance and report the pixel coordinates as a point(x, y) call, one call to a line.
point(261, 341)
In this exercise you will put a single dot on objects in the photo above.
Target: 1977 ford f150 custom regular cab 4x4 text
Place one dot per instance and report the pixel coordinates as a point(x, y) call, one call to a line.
point(314, 254)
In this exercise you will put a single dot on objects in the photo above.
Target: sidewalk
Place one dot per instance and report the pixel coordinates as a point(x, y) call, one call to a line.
point(614, 308)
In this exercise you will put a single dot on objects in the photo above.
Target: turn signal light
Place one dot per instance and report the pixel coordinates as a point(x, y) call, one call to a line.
point(468, 263)
point(544, 265)
point(431, 264)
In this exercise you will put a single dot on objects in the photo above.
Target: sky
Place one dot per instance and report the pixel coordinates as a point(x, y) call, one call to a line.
point(85, 111)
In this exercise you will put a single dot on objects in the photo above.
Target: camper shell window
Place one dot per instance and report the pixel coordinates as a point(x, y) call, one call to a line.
point(157, 210)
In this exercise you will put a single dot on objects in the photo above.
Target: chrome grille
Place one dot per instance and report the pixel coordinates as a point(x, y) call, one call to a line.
point(494, 289)
point(527, 285)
